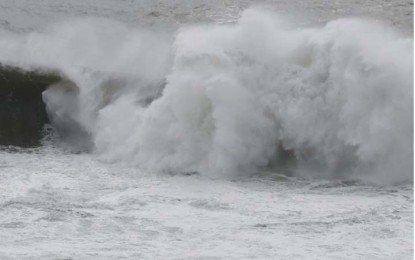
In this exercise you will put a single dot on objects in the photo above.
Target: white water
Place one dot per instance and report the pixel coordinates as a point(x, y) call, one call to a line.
point(222, 100)
point(56, 205)
point(229, 99)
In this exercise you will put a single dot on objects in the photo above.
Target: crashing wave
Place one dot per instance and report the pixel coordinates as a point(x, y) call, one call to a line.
point(230, 99)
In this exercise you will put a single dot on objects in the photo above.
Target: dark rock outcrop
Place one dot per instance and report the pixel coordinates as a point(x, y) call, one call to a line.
point(22, 111)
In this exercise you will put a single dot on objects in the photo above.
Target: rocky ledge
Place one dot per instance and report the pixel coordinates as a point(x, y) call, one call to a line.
point(22, 110)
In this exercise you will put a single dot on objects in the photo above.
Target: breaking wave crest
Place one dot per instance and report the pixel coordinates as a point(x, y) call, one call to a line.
point(335, 101)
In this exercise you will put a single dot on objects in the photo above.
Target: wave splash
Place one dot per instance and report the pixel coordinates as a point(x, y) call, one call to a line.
point(231, 99)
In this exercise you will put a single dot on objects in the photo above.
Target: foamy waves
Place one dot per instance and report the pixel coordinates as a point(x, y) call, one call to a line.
point(335, 101)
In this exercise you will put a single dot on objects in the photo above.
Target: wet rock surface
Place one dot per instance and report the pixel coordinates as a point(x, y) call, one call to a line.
point(22, 111)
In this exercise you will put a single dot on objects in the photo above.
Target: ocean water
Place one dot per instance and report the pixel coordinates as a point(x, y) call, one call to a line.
point(56, 205)
point(213, 130)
